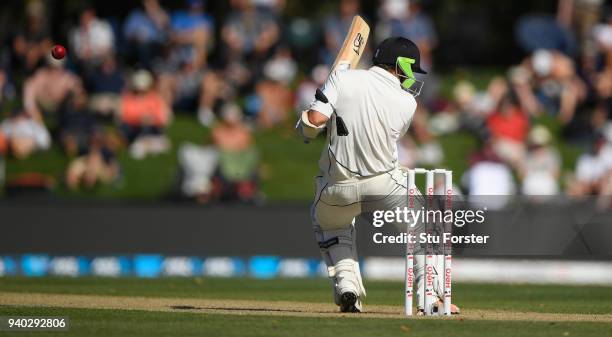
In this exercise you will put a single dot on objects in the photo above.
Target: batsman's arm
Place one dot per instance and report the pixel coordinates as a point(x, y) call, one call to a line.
point(316, 118)
point(313, 121)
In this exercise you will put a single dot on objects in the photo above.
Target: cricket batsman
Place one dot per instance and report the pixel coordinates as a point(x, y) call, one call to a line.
point(364, 113)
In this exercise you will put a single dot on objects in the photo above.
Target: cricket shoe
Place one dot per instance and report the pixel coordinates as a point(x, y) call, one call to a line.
point(440, 305)
point(349, 302)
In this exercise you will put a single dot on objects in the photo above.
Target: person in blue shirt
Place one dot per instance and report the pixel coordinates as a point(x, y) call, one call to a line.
point(146, 30)
point(193, 28)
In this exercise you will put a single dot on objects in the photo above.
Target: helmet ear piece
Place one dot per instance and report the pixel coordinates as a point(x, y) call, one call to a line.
point(403, 64)
point(403, 67)
point(407, 83)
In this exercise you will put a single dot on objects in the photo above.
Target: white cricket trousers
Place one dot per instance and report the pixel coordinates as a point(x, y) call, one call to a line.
point(335, 207)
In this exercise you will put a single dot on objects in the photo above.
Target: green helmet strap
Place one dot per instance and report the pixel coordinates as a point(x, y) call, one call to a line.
point(404, 64)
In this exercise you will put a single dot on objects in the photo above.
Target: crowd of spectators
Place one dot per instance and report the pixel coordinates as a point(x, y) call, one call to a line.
point(123, 83)
point(564, 78)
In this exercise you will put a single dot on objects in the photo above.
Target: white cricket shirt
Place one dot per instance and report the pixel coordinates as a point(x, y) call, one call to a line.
point(376, 111)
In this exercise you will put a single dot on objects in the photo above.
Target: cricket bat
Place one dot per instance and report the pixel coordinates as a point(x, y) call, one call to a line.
point(348, 58)
point(353, 45)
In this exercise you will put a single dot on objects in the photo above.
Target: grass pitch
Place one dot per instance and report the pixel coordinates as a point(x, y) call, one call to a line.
point(302, 307)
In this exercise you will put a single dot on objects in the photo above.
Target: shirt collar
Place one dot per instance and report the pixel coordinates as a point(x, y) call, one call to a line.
point(385, 74)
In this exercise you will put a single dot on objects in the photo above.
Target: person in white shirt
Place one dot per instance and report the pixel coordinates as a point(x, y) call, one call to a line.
point(489, 182)
point(542, 167)
point(365, 112)
point(592, 169)
point(25, 135)
point(93, 39)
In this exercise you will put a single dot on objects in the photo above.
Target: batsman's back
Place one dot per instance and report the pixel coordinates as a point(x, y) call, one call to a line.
point(376, 112)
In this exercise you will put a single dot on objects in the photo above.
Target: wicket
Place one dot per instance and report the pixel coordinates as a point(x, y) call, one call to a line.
point(428, 279)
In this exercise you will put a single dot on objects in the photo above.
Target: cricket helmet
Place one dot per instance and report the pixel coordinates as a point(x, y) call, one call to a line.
point(391, 48)
point(404, 55)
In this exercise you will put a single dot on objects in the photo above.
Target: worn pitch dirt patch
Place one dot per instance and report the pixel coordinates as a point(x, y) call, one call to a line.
point(266, 308)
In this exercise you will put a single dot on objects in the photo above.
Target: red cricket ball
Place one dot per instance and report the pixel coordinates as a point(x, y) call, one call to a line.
point(58, 52)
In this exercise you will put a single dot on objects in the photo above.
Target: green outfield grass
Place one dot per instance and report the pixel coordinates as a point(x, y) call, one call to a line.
point(511, 298)
point(104, 323)
point(537, 298)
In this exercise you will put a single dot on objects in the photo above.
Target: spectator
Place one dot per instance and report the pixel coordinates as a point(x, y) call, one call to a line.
point(192, 31)
point(92, 40)
point(281, 66)
point(146, 30)
point(593, 173)
point(508, 126)
point(77, 124)
point(213, 89)
point(3, 144)
point(541, 169)
point(488, 181)
point(473, 106)
point(335, 28)
point(534, 31)
point(306, 88)
point(144, 115)
point(481, 103)
point(33, 42)
point(603, 77)
point(7, 89)
point(105, 85)
point(96, 164)
point(198, 165)
point(181, 88)
point(272, 92)
point(605, 194)
point(592, 170)
point(547, 81)
point(238, 160)
point(240, 75)
point(24, 135)
point(584, 16)
point(44, 92)
point(249, 33)
point(389, 13)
